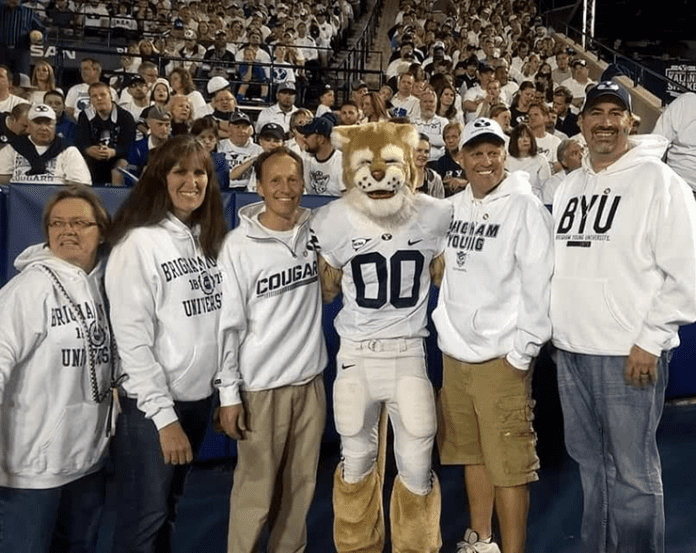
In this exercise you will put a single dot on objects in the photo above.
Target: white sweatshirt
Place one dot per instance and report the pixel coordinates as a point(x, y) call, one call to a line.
point(236, 155)
point(537, 167)
point(270, 324)
point(494, 297)
point(626, 271)
point(67, 167)
point(165, 297)
point(51, 430)
point(678, 125)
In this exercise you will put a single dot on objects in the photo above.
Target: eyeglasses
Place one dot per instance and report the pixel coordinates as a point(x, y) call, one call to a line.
point(75, 224)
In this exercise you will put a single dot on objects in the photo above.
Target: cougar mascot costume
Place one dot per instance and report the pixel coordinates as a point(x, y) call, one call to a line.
point(379, 244)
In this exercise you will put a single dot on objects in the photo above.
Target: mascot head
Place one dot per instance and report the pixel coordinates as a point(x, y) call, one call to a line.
point(378, 169)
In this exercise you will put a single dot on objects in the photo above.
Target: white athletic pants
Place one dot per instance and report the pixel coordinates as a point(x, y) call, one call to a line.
point(390, 372)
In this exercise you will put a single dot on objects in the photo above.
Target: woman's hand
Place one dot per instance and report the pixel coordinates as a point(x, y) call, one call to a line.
point(176, 448)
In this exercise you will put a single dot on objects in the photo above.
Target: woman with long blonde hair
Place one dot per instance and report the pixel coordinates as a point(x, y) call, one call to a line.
point(374, 108)
point(43, 79)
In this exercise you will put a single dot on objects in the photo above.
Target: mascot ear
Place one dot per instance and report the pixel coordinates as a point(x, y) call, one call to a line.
point(342, 135)
point(409, 135)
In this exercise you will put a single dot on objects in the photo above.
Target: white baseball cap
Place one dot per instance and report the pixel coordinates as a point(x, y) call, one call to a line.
point(216, 84)
point(483, 127)
point(41, 111)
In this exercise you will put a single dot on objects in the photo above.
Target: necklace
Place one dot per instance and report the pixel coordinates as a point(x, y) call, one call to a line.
point(90, 347)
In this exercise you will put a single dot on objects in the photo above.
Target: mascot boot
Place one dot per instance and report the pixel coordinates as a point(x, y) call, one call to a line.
point(358, 514)
point(415, 519)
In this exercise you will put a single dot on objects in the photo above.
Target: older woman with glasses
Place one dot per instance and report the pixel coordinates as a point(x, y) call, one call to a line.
point(56, 369)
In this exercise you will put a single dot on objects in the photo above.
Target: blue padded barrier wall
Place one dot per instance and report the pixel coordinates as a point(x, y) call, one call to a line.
point(20, 226)
point(25, 207)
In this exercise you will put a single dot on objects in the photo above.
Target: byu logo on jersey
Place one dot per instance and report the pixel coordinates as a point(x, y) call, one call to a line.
point(82, 104)
point(280, 74)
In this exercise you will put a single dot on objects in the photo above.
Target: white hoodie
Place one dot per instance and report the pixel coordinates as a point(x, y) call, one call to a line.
point(51, 430)
point(494, 297)
point(626, 271)
point(678, 125)
point(165, 297)
point(270, 324)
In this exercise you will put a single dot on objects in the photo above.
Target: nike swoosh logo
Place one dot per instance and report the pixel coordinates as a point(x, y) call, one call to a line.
point(344, 366)
point(412, 242)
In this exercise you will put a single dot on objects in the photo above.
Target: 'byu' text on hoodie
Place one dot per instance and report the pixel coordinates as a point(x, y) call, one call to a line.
point(625, 255)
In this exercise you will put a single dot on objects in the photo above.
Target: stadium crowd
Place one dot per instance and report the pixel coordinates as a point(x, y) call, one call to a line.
point(451, 62)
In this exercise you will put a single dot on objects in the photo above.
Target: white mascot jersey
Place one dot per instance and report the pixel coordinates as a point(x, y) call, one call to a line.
point(385, 271)
point(384, 256)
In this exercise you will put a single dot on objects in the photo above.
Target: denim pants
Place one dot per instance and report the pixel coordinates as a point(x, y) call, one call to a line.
point(148, 489)
point(610, 430)
point(63, 520)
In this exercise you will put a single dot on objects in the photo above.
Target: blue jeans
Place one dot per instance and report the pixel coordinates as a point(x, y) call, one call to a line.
point(148, 489)
point(610, 430)
point(64, 519)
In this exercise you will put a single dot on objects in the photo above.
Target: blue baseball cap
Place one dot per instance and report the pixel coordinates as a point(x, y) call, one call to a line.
point(318, 125)
point(607, 88)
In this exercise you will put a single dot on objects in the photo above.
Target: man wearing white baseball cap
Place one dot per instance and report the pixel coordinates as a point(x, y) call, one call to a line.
point(492, 319)
point(40, 157)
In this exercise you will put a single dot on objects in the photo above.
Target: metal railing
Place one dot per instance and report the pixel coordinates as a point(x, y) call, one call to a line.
point(356, 58)
point(351, 64)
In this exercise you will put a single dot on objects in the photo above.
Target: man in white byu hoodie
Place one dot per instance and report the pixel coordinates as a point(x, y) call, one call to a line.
point(492, 319)
point(625, 279)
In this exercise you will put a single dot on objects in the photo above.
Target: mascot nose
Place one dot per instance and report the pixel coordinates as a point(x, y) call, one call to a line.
point(378, 174)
